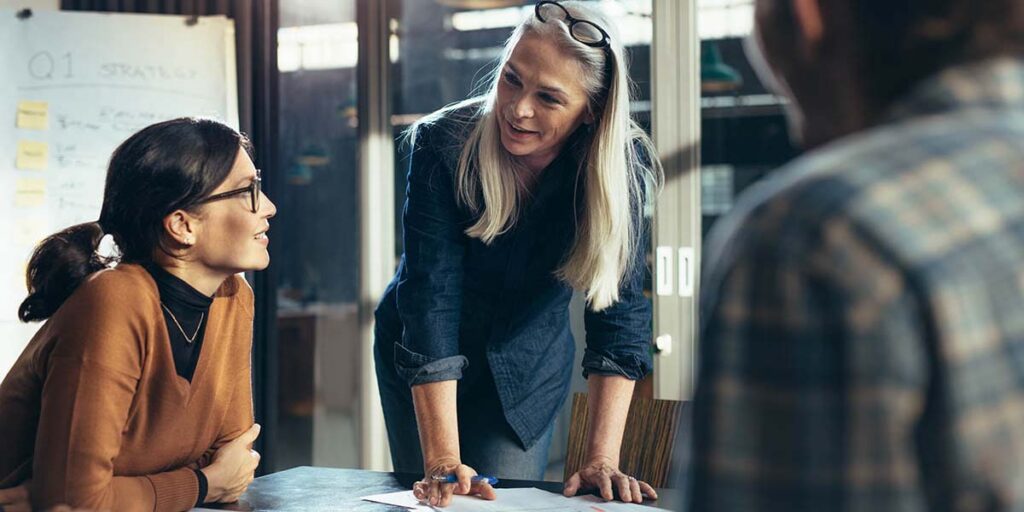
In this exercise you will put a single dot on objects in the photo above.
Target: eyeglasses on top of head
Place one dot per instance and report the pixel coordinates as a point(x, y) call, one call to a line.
point(586, 32)
point(254, 189)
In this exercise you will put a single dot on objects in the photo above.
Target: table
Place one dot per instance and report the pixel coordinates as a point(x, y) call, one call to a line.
point(329, 489)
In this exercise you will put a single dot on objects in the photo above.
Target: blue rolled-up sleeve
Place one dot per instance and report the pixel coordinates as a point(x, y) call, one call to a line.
point(420, 369)
point(429, 287)
point(619, 337)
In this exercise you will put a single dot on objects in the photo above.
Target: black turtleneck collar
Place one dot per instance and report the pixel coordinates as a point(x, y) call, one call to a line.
point(185, 310)
point(176, 292)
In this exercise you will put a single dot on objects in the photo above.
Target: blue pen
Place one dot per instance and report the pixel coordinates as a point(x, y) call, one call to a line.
point(451, 479)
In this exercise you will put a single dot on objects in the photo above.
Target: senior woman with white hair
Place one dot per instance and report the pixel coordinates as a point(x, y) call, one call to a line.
point(515, 199)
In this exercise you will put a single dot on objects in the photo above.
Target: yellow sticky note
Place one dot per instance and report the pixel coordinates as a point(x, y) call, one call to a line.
point(29, 192)
point(32, 155)
point(33, 115)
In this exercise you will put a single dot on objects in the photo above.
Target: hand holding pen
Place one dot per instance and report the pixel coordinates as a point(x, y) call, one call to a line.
point(452, 479)
point(446, 478)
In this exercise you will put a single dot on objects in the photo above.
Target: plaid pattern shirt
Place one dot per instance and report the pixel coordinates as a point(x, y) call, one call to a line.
point(863, 317)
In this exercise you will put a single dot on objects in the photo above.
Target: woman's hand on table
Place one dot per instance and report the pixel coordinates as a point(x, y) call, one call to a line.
point(233, 468)
point(439, 493)
point(605, 476)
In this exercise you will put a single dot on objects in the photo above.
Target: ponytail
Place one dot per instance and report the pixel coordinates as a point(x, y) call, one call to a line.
point(58, 265)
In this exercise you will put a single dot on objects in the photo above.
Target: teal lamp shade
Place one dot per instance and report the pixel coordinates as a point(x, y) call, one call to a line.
point(715, 74)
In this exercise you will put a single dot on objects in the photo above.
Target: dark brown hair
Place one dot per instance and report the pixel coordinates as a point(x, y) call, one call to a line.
point(164, 167)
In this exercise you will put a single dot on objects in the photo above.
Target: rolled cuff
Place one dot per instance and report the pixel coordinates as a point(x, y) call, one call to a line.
point(420, 369)
point(629, 366)
point(175, 490)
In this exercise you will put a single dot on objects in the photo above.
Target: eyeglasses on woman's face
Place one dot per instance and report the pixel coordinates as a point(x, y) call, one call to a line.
point(254, 190)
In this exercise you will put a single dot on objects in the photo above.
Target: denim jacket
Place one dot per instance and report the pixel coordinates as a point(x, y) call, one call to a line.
point(459, 306)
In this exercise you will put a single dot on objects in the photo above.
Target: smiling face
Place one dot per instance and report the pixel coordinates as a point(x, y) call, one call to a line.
point(540, 102)
point(233, 239)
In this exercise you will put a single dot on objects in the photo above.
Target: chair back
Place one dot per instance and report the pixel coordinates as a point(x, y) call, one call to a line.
point(648, 442)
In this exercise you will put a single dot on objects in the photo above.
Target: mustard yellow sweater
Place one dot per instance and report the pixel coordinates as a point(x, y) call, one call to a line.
point(96, 415)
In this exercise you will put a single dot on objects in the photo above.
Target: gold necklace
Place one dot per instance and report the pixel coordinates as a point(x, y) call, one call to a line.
point(187, 338)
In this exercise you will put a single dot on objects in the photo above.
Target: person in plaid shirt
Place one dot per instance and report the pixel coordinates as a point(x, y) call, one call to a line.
point(863, 310)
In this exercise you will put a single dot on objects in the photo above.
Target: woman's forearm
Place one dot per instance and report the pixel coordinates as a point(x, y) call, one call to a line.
point(608, 402)
point(438, 421)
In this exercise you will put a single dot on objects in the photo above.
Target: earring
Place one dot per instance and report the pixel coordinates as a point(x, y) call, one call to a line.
point(188, 241)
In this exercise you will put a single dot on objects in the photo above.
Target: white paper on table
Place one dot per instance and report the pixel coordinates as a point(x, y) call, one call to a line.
point(508, 500)
point(403, 499)
point(514, 500)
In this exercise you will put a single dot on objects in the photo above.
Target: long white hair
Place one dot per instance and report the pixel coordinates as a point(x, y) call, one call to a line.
point(615, 174)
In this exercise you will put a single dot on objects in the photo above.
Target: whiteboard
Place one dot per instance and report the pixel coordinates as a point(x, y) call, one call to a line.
point(72, 87)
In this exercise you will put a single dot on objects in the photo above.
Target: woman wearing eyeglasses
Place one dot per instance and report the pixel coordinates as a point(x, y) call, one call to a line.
point(514, 200)
point(135, 394)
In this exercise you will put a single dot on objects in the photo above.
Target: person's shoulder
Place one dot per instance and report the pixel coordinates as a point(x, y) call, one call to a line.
point(112, 315)
point(788, 213)
point(128, 286)
point(453, 120)
point(643, 147)
point(446, 130)
point(783, 214)
point(124, 295)
point(645, 166)
point(875, 192)
point(239, 292)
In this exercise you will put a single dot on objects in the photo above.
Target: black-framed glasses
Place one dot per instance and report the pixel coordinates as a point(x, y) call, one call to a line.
point(586, 32)
point(254, 189)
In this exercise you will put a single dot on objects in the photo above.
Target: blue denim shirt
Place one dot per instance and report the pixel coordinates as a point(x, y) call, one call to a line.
point(457, 307)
